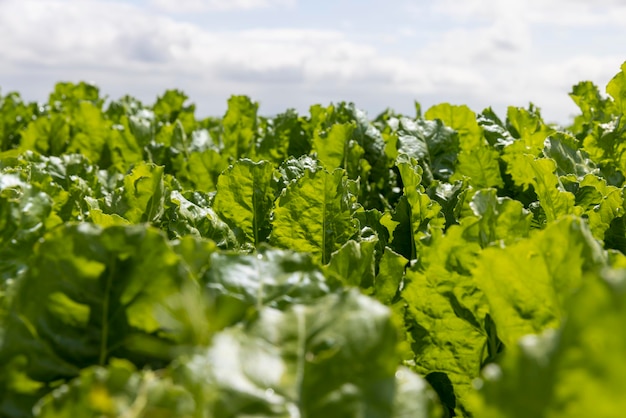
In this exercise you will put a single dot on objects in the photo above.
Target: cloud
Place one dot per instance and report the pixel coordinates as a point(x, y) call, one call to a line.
point(122, 38)
point(186, 6)
point(113, 43)
point(566, 13)
point(127, 48)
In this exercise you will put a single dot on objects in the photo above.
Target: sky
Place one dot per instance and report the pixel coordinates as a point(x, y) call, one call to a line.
point(296, 53)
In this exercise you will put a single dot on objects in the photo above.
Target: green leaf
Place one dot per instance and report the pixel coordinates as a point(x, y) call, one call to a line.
point(606, 146)
point(117, 391)
point(203, 169)
point(527, 282)
point(495, 219)
point(24, 216)
point(594, 107)
point(336, 358)
point(244, 198)
point(332, 147)
point(66, 97)
point(144, 193)
point(171, 107)
point(569, 159)
point(481, 167)
point(574, 371)
point(124, 147)
point(446, 316)
point(529, 130)
point(189, 214)
point(240, 124)
point(475, 160)
point(430, 141)
point(14, 116)
point(293, 169)
point(462, 120)
point(354, 264)
point(540, 173)
point(588, 98)
point(46, 135)
point(283, 136)
point(416, 217)
point(495, 132)
point(601, 204)
point(390, 275)
point(315, 214)
point(90, 131)
point(98, 293)
point(617, 89)
point(141, 198)
point(271, 277)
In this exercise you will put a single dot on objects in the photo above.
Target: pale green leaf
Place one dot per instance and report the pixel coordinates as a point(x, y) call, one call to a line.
point(315, 214)
point(244, 199)
point(575, 371)
point(527, 282)
point(332, 147)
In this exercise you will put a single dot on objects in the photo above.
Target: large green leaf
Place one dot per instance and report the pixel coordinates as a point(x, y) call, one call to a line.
point(540, 173)
point(315, 214)
point(462, 120)
point(480, 166)
point(569, 159)
point(172, 106)
point(24, 216)
point(336, 358)
point(90, 131)
point(354, 264)
point(493, 219)
point(574, 371)
point(390, 276)
point(446, 317)
point(244, 198)
point(587, 97)
point(15, 114)
point(494, 130)
point(203, 169)
point(67, 96)
point(476, 160)
point(617, 89)
point(601, 204)
point(270, 277)
point(529, 129)
point(606, 146)
point(125, 149)
point(283, 136)
point(429, 141)
point(332, 147)
point(118, 390)
point(140, 198)
point(190, 214)
point(527, 282)
point(97, 296)
point(47, 135)
point(240, 124)
point(416, 217)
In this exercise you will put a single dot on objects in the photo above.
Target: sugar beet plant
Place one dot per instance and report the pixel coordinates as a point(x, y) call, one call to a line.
point(153, 264)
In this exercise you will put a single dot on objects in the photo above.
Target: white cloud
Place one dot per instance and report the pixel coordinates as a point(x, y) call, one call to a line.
point(113, 43)
point(553, 12)
point(184, 6)
point(128, 49)
point(72, 34)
